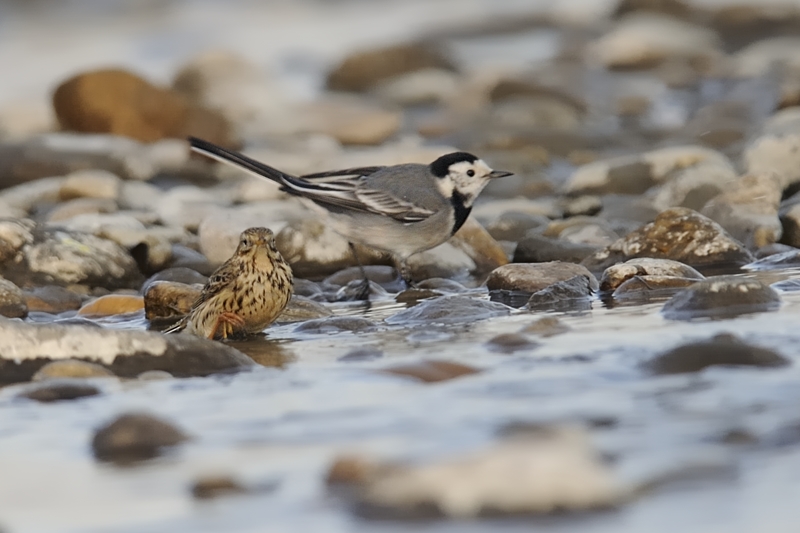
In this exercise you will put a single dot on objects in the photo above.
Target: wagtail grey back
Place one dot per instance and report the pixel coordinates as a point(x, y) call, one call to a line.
point(400, 209)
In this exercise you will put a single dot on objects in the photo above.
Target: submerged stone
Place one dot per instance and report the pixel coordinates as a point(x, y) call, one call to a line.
point(573, 294)
point(431, 371)
point(722, 297)
point(533, 277)
point(449, 310)
point(336, 324)
point(721, 350)
point(135, 437)
point(58, 392)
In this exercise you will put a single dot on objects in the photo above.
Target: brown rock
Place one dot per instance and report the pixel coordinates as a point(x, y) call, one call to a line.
point(533, 277)
point(134, 437)
point(59, 392)
point(119, 102)
point(12, 301)
point(431, 371)
point(480, 246)
point(169, 299)
point(722, 349)
point(643, 289)
point(213, 487)
point(112, 304)
point(616, 275)
point(679, 234)
point(52, 299)
point(350, 470)
point(363, 70)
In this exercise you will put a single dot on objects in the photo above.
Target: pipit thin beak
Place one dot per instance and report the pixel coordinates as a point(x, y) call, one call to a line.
point(500, 174)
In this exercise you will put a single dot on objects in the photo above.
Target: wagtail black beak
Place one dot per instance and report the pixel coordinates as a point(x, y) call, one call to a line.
point(500, 174)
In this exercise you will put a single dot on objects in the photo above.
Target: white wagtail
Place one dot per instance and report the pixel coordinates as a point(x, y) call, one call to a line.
point(400, 209)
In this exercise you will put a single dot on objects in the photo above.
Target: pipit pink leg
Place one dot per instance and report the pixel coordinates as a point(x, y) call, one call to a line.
point(227, 319)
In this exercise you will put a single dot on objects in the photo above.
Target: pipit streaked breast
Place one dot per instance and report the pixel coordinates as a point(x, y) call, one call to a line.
point(245, 294)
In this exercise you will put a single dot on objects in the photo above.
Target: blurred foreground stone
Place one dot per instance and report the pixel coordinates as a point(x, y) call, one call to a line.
point(554, 469)
point(135, 437)
point(25, 348)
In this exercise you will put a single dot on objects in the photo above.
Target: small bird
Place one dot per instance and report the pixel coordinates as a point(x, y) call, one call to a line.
point(245, 294)
point(400, 209)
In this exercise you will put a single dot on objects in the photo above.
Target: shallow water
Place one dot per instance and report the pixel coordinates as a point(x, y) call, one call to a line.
point(286, 422)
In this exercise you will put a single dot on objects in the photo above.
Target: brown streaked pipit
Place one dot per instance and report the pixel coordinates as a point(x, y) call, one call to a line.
point(245, 294)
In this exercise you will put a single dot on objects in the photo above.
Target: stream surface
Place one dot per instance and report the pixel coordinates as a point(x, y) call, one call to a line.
point(284, 425)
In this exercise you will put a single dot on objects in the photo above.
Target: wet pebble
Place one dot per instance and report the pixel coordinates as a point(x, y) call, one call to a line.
point(649, 287)
point(722, 297)
point(721, 350)
point(134, 437)
point(71, 368)
point(112, 304)
point(351, 470)
point(59, 392)
point(572, 294)
point(415, 295)
point(336, 324)
point(207, 488)
point(154, 375)
point(441, 285)
point(533, 277)
point(788, 259)
point(362, 354)
point(679, 234)
point(449, 310)
point(547, 326)
point(384, 275)
point(555, 470)
point(300, 309)
point(353, 292)
point(308, 289)
point(12, 300)
point(536, 248)
point(431, 371)
point(169, 299)
point(616, 275)
point(508, 343)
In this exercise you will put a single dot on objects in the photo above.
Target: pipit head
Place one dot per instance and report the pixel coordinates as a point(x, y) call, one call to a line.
point(253, 240)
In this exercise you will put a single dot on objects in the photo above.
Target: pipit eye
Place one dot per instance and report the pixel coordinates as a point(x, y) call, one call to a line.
point(470, 173)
